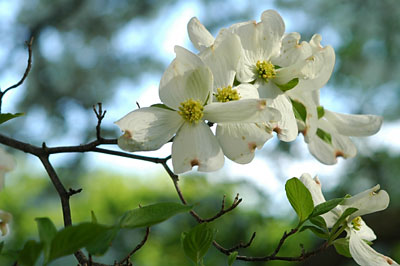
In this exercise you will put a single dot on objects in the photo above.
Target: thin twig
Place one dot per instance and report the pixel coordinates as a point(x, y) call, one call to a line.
point(99, 115)
point(139, 246)
point(27, 70)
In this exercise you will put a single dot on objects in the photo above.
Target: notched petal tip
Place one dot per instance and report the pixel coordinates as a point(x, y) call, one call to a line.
point(252, 146)
point(195, 162)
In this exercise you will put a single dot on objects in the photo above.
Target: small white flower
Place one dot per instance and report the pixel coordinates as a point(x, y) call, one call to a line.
point(186, 90)
point(369, 201)
point(7, 163)
point(238, 140)
point(333, 131)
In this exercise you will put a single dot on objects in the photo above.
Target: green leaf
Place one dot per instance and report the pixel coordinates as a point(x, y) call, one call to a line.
point(342, 247)
point(9, 257)
point(47, 231)
point(30, 253)
point(325, 136)
point(326, 206)
point(151, 214)
point(94, 218)
point(342, 218)
point(8, 116)
point(317, 231)
point(288, 86)
point(103, 242)
point(1, 246)
point(318, 221)
point(161, 105)
point(232, 258)
point(277, 67)
point(197, 241)
point(299, 110)
point(300, 198)
point(320, 111)
point(75, 237)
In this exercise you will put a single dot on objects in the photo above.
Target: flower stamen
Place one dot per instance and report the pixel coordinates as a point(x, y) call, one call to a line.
point(356, 223)
point(191, 110)
point(265, 70)
point(227, 94)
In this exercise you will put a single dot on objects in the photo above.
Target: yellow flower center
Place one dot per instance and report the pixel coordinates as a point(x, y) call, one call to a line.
point(356, 223)
point(265, 70)
point(227, 94)
point(191, 110)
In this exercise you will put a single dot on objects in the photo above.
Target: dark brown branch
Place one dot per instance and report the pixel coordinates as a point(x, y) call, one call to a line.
point(283, 239)
point(223, 211)
point(99, 115)
point(26, 73)
point(139, 246)
point(241, 244)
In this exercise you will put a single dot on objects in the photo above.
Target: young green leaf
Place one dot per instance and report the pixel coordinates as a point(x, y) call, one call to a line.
point(288, 86)
point(30, 253)
point(47, 231)
point(8, 116)
point(103, 241)
point(326, 206)
point(325, 136)
point(299, 111)
point(300, 198)
point(342, 247)
point(197, 241)
point(318, 221)
point(317, 231)
point(151, 214)
point(75, 237)
point(232, 258)
point(342, 218)
point(320, 111)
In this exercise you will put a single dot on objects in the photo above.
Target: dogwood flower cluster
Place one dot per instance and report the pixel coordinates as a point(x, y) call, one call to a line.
point(358, 233)
point(251, 80)
point(7, 164)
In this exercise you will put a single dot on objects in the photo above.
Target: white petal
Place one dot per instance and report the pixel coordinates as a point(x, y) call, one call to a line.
point(341, 146)
point(365, 255)
point(273, 29)
point(222, 58)
point(148, 128)
point(239, 140)
point(354, 125)
point(200, 37)
point(186, 78)
point(267, 89)
point(247, 91)
point(318, 68)
point(292, 51)
point(314, 186)
point(242, 111)
point(322, 151)
point(310, 126)
point(195, 144)
point(365, 232)
point(286, 128)
point(368, 201)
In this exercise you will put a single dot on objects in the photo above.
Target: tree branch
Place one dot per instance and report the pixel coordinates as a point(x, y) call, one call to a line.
point(27, 70)
point(139, 246)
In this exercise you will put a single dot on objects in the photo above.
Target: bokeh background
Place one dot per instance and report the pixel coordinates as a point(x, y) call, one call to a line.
point(114, 52)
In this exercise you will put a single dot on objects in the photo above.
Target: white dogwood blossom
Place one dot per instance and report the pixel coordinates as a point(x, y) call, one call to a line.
point(186, 92)
point(277, 64)
point(238, 140)
point(330, 137)
point(7, 163)
point(369, 201)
